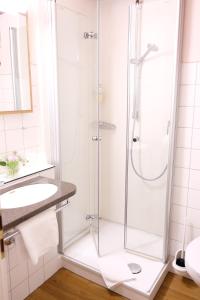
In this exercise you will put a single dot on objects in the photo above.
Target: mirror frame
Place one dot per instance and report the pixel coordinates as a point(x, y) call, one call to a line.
point(29, 71)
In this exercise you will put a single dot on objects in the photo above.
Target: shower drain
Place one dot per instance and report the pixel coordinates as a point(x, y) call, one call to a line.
point(135, 268)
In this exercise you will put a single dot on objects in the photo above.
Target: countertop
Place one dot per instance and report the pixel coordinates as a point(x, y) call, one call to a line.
point(15, 216)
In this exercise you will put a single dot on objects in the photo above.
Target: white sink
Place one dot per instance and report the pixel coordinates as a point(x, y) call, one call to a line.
point(27, 195)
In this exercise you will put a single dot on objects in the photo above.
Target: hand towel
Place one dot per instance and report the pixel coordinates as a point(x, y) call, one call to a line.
point(114, 270)
point(40, 234)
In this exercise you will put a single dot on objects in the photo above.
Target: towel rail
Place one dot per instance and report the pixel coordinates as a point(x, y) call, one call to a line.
point(9, 236)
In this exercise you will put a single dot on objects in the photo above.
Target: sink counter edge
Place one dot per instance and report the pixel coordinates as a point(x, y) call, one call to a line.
point(15, 216)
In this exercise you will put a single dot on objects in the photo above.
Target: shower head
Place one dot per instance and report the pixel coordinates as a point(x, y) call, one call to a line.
point(150, 48)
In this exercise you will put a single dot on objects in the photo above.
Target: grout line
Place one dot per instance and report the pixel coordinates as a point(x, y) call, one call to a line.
point(184, 168)
point(181, 205)
point(190, 226)
point(187, 148)
point(184, 187)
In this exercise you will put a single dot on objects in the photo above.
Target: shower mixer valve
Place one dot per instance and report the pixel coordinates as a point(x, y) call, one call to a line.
point(136, 139)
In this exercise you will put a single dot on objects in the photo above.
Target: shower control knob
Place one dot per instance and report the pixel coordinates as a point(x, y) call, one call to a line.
point(96, 138)
point(135, 139)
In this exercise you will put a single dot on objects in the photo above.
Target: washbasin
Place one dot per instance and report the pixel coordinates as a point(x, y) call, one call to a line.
point(27, 195)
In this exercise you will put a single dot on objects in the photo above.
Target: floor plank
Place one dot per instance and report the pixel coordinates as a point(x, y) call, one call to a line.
point(65, 285)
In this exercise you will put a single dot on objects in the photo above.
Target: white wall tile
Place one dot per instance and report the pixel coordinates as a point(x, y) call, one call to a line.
point(178, 213)
point(36, 280)
point(197, 95)
point(193, 217)
point(183, 138)
point(17, 253)
point(50, 255)
point(52, 267)
point(35, 98)
point(18, 274)
point(14, 140)
point(174, 246)
point(197, 118)
point(198, 74)
point(195, 159)
point(176, 231)
point(31, 119)
point(196, 139)
point(34, 75)
point(194, 182)
point(13, 121)
point(187, 93)
point(188, 73)
point(181, 177)
point(1, 123)
point(21, 291)
point(34, 268)
point(192, 233)
point(13, 259)
point(9, 296)
point(185, 116)
point(32, 137)
point(179, 195)
point(182, 157)
point(194, 199)
point(2, 142)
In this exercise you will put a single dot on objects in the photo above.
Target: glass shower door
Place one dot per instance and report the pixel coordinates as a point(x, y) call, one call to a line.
point(152, 65)
point(78, 116)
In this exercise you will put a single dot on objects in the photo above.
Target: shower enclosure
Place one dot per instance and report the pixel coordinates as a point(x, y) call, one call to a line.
point(117, 74)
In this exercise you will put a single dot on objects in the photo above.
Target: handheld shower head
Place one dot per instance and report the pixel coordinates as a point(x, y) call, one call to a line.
point(150, 47)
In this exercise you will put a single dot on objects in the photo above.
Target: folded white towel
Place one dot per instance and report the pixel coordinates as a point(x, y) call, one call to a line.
point(40, 234)
point(114, 270)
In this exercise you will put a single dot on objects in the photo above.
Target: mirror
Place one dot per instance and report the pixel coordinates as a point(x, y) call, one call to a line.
point(15, 83)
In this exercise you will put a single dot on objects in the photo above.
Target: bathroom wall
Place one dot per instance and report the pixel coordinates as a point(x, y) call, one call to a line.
point(186, 182)
point(23, 276)
point(26, 133)
point(23, 132)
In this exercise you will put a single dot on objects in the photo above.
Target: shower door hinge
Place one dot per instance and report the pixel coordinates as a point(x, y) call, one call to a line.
point(96, 138)
point(90, 35)
point(91, 217)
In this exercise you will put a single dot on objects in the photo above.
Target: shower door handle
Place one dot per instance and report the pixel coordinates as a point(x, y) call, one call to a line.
point(96, 138)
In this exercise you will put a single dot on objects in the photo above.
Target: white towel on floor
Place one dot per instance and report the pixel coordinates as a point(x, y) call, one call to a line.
point(114, 270)
point(40, 234)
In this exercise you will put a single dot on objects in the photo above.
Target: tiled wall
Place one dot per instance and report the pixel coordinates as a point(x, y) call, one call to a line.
point(23, 131)
point(23, 276)
point(186, 183)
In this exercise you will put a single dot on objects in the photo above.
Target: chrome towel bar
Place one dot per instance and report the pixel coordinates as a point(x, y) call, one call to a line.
point(9, 236)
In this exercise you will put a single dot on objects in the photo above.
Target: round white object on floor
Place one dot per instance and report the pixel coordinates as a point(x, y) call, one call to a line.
point(192, 260)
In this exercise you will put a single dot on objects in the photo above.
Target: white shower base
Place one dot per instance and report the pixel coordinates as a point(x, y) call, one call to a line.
point(81, 257)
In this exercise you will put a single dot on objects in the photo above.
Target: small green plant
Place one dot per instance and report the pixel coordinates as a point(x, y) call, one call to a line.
point(12, 163)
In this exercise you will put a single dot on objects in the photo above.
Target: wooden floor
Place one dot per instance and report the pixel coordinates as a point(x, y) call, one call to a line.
point(65, 285)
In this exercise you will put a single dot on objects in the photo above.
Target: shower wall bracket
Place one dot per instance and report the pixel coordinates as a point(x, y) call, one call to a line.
point(90, 35)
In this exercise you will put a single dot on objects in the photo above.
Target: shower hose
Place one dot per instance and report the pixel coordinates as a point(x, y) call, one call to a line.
point(133, 165)
point(138, 62)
